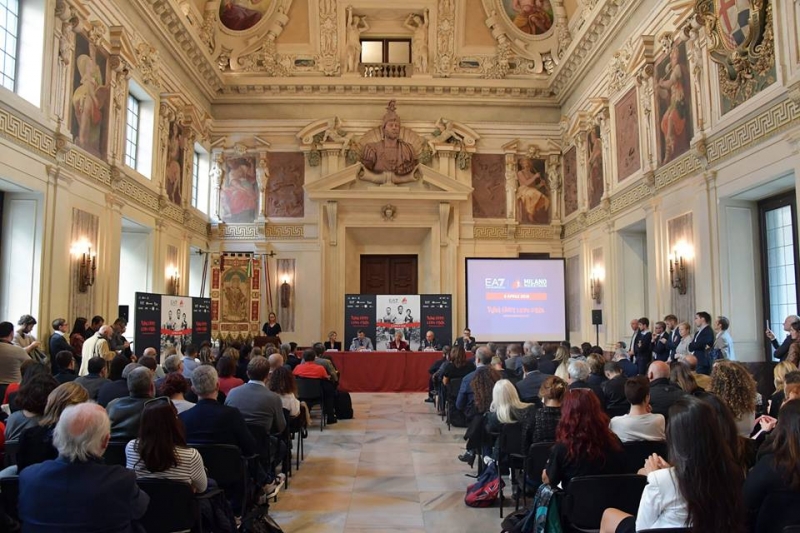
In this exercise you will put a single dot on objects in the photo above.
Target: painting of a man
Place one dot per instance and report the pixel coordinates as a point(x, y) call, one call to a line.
point(533, 17)
point(533, 192)
point(595, 167)
point(173, 175)
point(239, 194)
point(673, 105)
point(240, 15)
point(234, 301)
point(89, 99)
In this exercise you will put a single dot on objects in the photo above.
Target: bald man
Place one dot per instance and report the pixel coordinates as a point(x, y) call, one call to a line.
point(782, 350)
point(662, 393)
point(98, 345)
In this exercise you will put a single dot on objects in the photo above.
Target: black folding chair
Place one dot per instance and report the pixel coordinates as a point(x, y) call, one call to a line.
point(637, 452)
point(310, 391)
point(451, 394)
point(229, 468)
point(297, 425)
point(779, 510)
point(790, 529)
point(510, 450)
point(172, 506)
point(11, 450)
point(286, 438)
point(115, 453)
point(535, 461)
point(587, 497)
point(9, 495)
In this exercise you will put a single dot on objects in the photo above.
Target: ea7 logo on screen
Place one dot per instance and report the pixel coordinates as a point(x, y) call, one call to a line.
point(495, 283)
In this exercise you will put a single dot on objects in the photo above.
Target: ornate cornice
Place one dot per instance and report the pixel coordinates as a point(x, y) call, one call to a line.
point(498, 232)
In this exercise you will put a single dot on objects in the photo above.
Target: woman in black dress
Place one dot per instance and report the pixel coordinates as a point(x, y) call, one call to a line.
point(272, 328)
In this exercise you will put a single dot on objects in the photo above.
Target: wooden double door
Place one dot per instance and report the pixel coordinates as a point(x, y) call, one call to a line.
point(389, 274)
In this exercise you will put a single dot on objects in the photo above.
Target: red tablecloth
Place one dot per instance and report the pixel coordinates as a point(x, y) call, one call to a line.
point(383, 371)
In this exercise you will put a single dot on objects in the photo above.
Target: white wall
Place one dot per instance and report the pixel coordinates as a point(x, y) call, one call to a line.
point(20, 261)
point(134, 269)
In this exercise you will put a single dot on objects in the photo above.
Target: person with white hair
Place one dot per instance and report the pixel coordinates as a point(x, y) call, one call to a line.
point(578, 374)
point(92, 496)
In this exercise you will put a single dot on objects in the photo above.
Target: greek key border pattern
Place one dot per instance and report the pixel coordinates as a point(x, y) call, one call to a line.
point(677, 170)
point(573, 227)
point(240, 232)
point(197, 225)
point(628, 197)
point(284, 231)
point(23, 133)
point(526, 232)
point(490, 233)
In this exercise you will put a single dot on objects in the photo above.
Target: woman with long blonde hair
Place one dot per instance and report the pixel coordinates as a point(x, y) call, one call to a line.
point(779, 379)
point(562, 360)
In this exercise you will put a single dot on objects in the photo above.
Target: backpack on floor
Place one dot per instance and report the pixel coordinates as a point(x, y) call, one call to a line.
point(542, 517)
point(344, 406)
point(485, 490)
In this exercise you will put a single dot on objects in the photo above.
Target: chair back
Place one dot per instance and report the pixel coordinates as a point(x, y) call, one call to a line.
point(778, 511)
point(511, 439)
point(224, 463)
point(587, 497)
point(309, 390)
point(261, 436)
point(11, 450)
point(617, 410)
point(9, 495)
point(172, 506)
point(536, 460)
point(791, 529)
point(452, 388)
point(637, 452)
point(115, 453)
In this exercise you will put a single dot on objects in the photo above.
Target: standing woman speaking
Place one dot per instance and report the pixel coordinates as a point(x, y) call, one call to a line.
point(271, 327)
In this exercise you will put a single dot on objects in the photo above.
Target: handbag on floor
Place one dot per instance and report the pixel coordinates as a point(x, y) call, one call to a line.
point(486, 489)
point(343, 406)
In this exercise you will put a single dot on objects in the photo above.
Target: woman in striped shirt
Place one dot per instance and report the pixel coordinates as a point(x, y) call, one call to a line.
point(160, 452)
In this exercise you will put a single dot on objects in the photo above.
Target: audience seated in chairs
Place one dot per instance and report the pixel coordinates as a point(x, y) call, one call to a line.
point(584, 444)
point(435, 375)
point(475, 405)
point(703, 381)
point(36, 443)
point(779, 374)
point(640, 423)
point(65, 366)
point(736, 387)
point(578, 379)
point(31, 401)
point(458, 366)
point(744, 448)
point(160, 451)
point(597, 374)
point(506, 408)
point(91, 496)
point(531, 383)
point(701, 485)
point(125, 413)
point(322, 359)
point(282, 383)
point(174, 388)
point(173, 364)
point(681, 375)
point(547, 417)
point(12, 388)
point(614, 390)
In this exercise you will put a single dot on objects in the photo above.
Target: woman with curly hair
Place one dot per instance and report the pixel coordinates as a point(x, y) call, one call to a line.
point(779, 380)
point(736, 387)
point(36, 443)
point(585, 446)
point(31, 399)
point(481, 387)
point(282, 383)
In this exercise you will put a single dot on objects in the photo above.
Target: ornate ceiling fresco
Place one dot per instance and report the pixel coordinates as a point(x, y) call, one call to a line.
point(523, 51)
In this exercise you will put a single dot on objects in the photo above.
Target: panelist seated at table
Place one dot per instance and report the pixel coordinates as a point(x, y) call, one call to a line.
point(332, 343)
point(429, 343)
point(361, 343)
point(466, 341)
point(398, 343)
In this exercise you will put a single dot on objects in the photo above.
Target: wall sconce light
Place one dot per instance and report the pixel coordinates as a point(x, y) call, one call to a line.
point(286, 292)
point(677, 267)
point(87, 266)
point(173, 281)
point(596, 284)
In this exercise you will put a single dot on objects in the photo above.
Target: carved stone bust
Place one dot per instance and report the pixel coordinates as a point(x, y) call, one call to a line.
point(391, 154)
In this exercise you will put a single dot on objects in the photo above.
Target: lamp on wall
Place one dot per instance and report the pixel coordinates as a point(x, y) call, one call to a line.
point(596, 283)
point(173, 281)
point(677, 266)
point(286, 292)
point(87, 266)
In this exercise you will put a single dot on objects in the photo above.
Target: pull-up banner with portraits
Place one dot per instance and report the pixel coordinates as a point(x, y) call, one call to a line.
point(163, 321)
point(382, 316)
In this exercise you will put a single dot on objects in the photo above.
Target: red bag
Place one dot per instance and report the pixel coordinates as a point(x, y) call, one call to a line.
point(486, 489)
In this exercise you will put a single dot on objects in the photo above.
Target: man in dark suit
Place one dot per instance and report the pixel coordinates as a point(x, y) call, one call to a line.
point(96, 377)
point(673, 335)
point(528, 387)
point(92, 496)
point(58, 341)
point(782, 350)
point(643, 349)
point(466, 341)
point(429, 343)
point(614, 390)
point(662, 393)
point(634, 337)
point(702, 342)
point(579, 374)
point(661, 342)
point(125, 413)
point(65, 362)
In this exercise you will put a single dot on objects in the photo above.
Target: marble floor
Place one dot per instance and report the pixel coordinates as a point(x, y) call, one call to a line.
point(392, 468)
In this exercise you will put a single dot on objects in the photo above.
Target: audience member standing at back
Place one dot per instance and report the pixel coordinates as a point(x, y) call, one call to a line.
point(11, 357)
point(702, 342)
point(643, 349)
